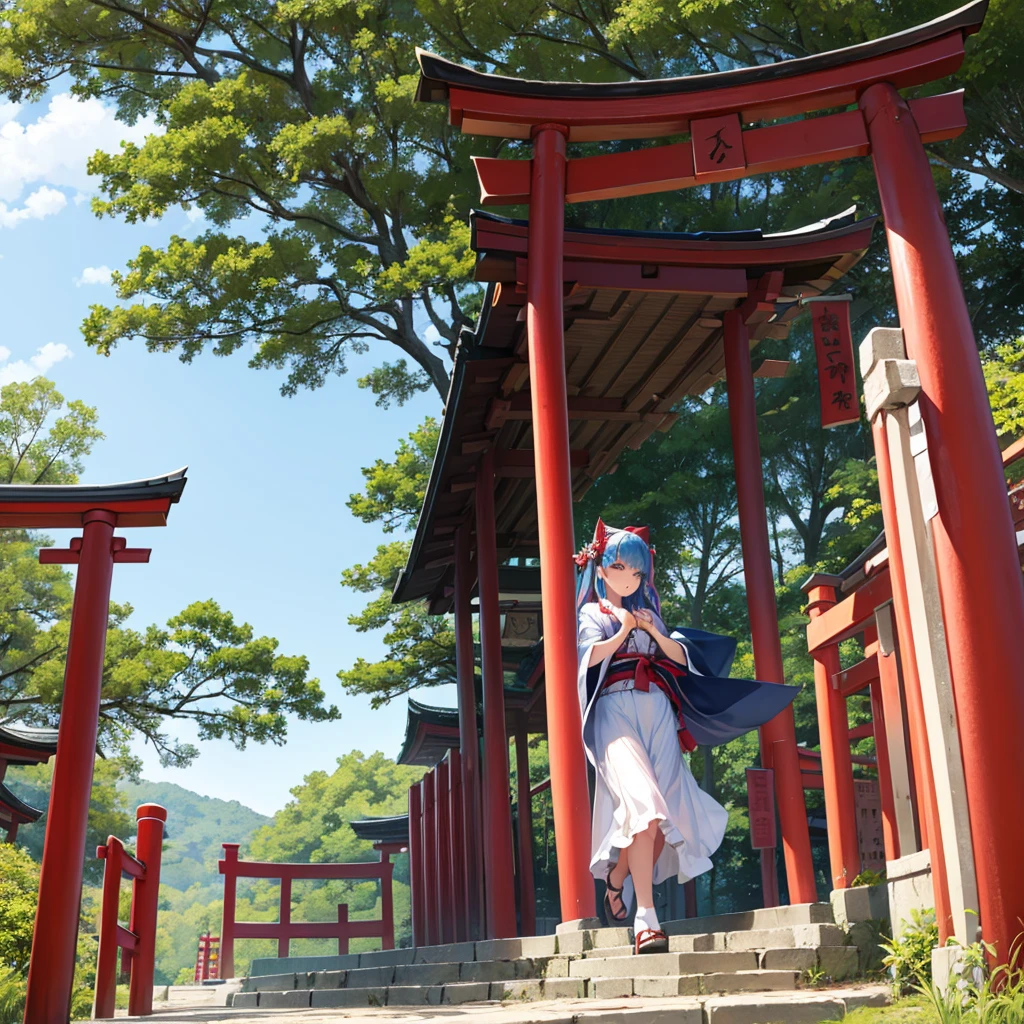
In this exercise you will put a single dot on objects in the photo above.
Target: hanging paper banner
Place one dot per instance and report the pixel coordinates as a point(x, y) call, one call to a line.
point(761, 807)
point(833, 348)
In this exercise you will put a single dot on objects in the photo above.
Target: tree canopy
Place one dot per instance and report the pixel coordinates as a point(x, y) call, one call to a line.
point(335, 206)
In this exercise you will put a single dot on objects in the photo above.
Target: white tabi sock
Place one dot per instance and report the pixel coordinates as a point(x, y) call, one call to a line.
point(646, 919)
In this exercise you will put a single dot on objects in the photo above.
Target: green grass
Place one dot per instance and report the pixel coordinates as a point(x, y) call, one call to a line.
point(913, 1010)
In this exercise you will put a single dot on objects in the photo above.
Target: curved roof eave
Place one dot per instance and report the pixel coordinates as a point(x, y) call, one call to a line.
point(18, 807)
point(168, 486)
point(437, 74)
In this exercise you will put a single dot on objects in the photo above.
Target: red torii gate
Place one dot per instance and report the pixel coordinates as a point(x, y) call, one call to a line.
point(975, 544)
point(97, 511)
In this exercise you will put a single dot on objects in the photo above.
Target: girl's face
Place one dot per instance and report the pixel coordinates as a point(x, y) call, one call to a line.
point(620, 578)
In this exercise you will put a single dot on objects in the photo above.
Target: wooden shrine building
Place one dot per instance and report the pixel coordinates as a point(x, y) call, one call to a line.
point(650, 317)
point(586, 342)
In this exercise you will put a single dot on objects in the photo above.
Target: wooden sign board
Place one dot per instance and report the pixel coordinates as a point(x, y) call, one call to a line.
point(833, 349)
point(761, 807)
point(867, 802)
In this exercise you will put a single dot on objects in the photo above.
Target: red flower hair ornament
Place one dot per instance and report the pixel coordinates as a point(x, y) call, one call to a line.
point(593, 552)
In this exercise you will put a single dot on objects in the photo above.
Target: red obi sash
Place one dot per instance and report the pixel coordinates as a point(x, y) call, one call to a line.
point(663, 673)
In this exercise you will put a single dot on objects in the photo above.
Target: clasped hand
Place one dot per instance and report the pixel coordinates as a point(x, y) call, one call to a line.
point(640, 619)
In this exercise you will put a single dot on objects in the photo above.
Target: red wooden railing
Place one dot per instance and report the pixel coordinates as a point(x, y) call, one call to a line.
point(136, 942)
point(284, 929)
point(207, 958)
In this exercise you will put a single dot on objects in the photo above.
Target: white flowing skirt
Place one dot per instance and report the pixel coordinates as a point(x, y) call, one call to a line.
point(642, 777)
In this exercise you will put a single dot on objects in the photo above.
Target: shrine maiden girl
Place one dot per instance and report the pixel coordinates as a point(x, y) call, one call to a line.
point(647, 694)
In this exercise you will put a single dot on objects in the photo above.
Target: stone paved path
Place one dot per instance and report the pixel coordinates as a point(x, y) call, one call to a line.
point(805, 1007)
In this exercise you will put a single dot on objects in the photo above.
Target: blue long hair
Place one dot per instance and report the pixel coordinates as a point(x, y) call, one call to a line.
point(631, 550)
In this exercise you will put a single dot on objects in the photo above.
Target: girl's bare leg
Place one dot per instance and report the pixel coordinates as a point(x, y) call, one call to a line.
point(641, 863)
point(618, 876)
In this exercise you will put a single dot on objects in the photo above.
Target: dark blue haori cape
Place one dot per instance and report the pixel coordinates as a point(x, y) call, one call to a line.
point(716, 707)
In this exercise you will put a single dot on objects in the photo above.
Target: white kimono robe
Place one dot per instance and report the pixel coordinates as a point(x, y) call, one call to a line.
point(631, 739)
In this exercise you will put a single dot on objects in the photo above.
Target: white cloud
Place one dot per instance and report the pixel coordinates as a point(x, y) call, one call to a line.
point(44, 202)
point(46, 357)
point(54, 148)
point(94, 275)
point(431, 334)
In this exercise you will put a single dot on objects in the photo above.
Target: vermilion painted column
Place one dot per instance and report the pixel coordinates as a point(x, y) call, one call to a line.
point(570, 796)
point(778, 737)
point(834, 740)
point(105, 997)
point(497, 811)
point(931, 832)
point(387, 900)
point(975, 547)
point(416, 865)
point(284, 916)
point(527, 893)
point(145, 903)
point(456, 839)
point(444, 853)
point(51, 971)
point(469, 742)
point(228, 868)
point(430, 874)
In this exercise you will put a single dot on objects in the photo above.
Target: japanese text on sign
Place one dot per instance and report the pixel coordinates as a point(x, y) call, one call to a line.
point(833, 349)
point(761, 807)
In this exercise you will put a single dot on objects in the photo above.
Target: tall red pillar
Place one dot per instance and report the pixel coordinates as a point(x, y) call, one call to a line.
point(928, 809)
point(778, 737)
point(52, 968)
point(445, 908)
point(457, 844)
point(975, 547)
point(469, 742)
point(527, 892)
point(416, 865)
point(834, 740)
point(497, 810)
point(145, 903)
point(430, 874)
point(570, 795)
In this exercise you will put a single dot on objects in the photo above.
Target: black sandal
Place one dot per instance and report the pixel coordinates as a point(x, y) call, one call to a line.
point(611, 890)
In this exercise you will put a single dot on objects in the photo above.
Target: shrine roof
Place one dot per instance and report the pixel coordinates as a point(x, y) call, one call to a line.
point(52, 506)
point(14, 810)
point(430, 732)
point(383, 830)
point(643, 314)
point(484, 103)
point(24, 744)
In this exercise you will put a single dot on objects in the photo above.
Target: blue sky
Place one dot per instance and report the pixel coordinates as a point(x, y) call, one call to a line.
point(262, 527)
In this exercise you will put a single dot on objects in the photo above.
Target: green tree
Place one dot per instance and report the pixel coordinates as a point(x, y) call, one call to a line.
point(203, 667)
point(296, 122)
point(19, 883)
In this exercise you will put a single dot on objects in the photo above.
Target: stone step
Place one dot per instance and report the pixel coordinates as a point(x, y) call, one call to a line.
point(662, 964)
point(749, 920)
point(692, 984)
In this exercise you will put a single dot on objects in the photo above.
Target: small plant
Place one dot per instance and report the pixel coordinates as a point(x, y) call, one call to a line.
point(908, 959)
point(814, 977)
point(976, 995)
point(869, 877)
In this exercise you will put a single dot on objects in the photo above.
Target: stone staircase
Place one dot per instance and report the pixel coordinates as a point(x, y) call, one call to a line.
point(778, 950)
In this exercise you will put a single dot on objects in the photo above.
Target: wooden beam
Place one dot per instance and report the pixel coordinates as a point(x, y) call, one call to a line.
point(777, 147)
point(856, 677)
point(649, 278)
point(848, 618)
